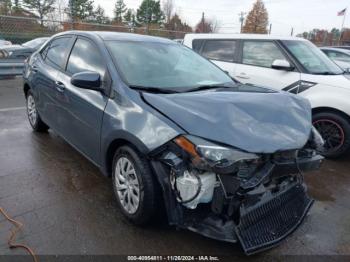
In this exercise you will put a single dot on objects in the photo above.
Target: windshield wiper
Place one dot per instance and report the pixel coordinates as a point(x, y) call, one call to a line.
point(206, 87)
point(153, 89)
point(326, 73)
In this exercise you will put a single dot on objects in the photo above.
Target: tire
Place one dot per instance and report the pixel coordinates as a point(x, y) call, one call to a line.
point(33, 116)
point(148, 189)
point(335, 130)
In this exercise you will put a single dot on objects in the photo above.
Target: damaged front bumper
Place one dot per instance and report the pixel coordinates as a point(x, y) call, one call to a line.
point(258, 210)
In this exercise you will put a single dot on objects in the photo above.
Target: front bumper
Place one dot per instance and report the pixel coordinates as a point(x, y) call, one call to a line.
point(241, 213)
point(268, 223)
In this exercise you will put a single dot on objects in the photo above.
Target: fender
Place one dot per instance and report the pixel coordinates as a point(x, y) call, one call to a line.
point(330, 97)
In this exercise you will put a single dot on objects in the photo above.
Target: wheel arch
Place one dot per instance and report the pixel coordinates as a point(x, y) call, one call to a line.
point(26, 88)
point(331, 110)
point(115, 143)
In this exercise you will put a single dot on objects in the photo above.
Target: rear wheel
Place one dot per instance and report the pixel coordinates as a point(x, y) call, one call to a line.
point(335, 130)
point(33, 116)
point(134, 186)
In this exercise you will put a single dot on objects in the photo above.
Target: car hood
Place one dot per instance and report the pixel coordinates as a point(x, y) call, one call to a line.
point(256, 122)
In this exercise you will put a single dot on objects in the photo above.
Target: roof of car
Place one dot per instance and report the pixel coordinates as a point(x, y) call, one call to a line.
point(108, 36)
point(243, 36)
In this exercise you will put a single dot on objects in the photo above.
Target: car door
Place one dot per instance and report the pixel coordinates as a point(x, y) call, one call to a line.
point(255, 67)
point(221, 52)
point(82, 109)
point(44, 73)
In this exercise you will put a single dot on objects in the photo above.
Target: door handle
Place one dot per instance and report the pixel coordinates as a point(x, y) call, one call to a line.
point(243, 76)
point(60, 86)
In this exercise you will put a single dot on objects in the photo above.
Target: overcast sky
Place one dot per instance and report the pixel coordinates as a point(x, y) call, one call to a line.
point(303, 15)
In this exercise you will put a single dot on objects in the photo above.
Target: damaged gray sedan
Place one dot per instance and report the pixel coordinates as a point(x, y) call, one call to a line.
point(172, 129)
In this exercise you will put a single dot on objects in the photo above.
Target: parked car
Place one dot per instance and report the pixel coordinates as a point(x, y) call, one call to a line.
point(3, 42)
point(290, 64)
point(339, 56)
point(341, 47)
point(23, 51)
point(168, 125)
point(12, 57)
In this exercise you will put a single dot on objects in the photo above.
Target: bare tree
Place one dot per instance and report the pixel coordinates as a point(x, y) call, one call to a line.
point(168, 9)
point(215, 25)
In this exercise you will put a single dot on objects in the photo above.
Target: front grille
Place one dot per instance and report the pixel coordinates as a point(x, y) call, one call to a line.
point(266, 225)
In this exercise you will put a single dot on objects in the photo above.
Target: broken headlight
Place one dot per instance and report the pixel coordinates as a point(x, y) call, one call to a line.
point(207, 155)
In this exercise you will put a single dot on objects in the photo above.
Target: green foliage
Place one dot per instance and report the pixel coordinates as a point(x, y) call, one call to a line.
point(119, 11)
point(150, 12)
point(100, 16)
point(130, 17)
point(5, 7)
point(81, 9)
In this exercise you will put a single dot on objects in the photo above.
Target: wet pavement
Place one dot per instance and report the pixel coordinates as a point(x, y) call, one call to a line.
point(67, 206)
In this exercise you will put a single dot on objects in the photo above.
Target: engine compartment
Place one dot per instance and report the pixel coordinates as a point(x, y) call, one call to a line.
point(258, 202)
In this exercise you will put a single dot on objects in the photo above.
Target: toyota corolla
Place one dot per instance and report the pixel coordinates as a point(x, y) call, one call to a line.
point(174, 130)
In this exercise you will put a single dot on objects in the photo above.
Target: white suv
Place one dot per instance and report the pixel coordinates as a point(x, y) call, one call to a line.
point(291, 64)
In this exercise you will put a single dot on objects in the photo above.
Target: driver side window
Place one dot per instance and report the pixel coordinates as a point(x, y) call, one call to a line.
point(85, 57)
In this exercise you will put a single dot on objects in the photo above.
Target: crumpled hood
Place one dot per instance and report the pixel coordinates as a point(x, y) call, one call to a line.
point(254, 122)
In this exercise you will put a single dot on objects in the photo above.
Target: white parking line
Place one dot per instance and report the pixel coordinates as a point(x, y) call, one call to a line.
point(11, 109)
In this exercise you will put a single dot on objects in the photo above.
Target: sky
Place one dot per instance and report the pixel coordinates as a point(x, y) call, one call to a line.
point(302, 15)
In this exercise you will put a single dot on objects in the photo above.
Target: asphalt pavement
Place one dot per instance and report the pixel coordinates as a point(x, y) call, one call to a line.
point(67, 206)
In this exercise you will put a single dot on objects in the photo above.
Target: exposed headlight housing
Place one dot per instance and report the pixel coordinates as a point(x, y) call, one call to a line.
point(207, 155)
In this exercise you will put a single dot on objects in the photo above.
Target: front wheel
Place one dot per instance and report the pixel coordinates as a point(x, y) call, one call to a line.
point(33, 116)
point(335, 130)
point(134, 186)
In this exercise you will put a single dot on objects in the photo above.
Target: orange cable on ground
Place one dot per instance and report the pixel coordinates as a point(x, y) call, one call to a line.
point(11, 240)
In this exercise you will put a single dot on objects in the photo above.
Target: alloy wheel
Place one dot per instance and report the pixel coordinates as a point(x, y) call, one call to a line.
point(31, 110)
point(127, 185)
point(331, 132)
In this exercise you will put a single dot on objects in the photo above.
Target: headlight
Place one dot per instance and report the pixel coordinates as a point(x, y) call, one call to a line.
point(207, 154)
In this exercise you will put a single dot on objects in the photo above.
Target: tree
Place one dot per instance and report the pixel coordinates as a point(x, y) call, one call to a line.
point(130, 17)
point(5, 7)
point(176, 24)
point(80, 9)
point(204, 26)
point(100, 16)
point(149, 12)
point(119, 11)
point(257, 19)
point(168, 8)
point(42, 7)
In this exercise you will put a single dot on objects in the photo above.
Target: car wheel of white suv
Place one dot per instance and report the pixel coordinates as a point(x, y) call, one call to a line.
point(335, 131)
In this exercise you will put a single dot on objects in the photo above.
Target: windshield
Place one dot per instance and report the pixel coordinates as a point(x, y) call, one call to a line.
point(35, 43)
point(165, 66)
point(313, 59)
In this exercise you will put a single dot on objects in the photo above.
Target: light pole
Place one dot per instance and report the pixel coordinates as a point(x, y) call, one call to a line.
point(241, 19)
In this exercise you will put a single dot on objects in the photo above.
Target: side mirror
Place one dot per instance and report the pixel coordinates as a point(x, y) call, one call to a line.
point(281, 64)
point(87, 80)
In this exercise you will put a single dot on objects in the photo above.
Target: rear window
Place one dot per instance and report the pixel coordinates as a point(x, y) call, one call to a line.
point(222, 50)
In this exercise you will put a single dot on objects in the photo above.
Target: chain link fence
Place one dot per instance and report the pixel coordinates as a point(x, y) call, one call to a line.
point(22, 29)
